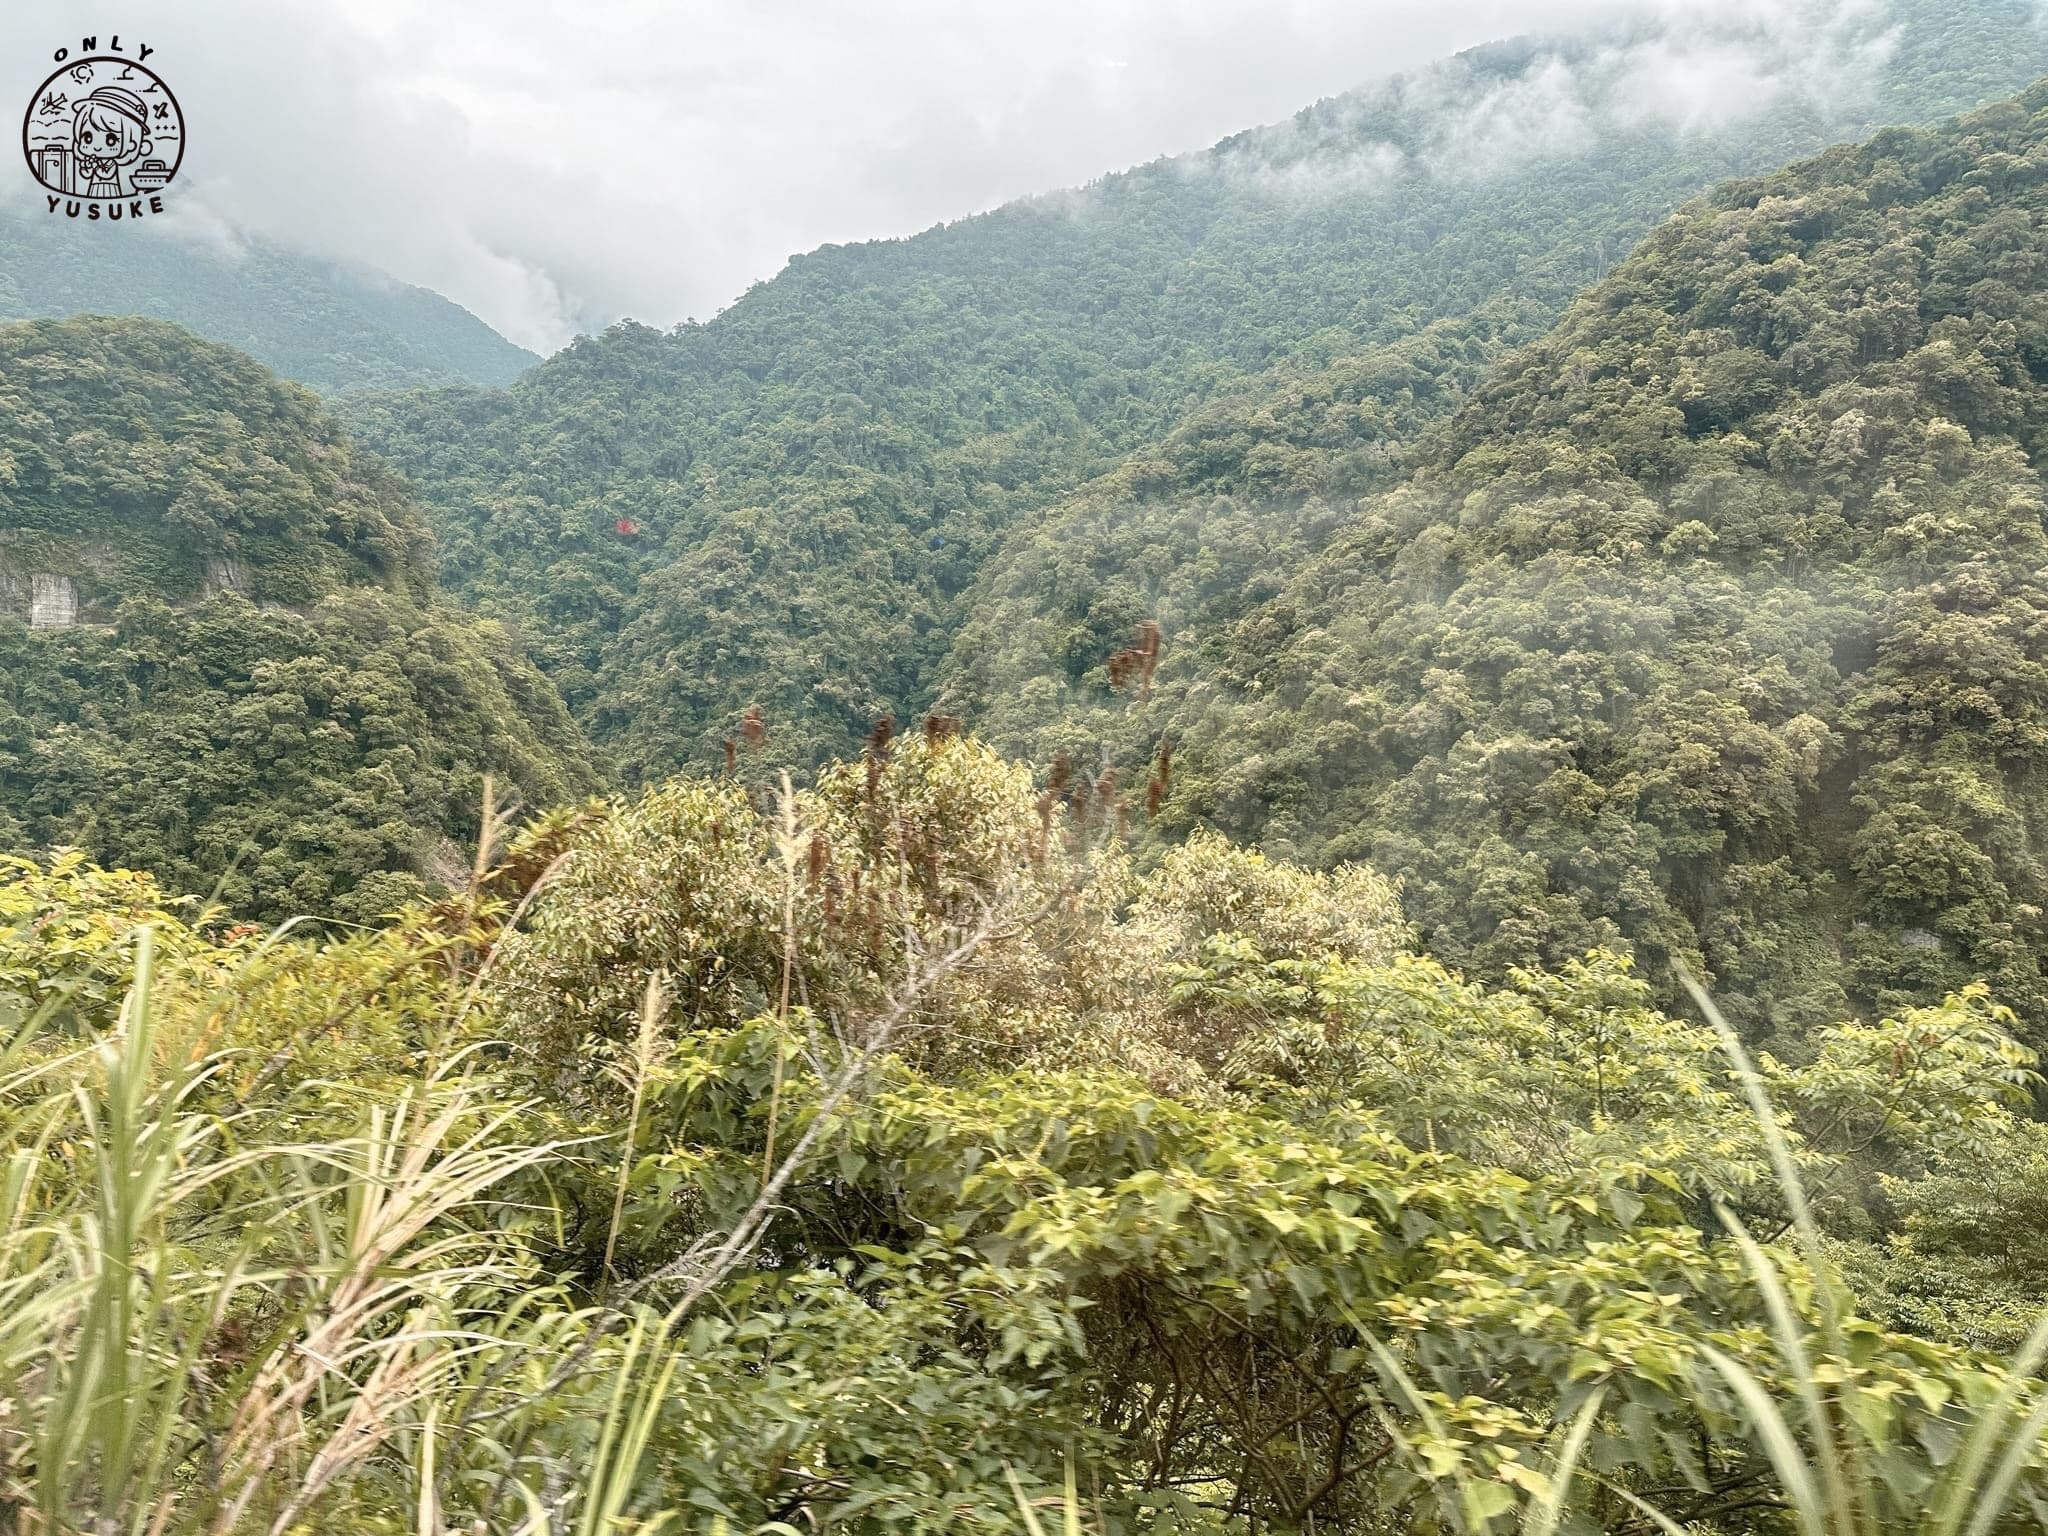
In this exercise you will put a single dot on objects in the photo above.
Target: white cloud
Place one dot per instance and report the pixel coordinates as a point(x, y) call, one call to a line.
point(556, 164)
point(1676, 69)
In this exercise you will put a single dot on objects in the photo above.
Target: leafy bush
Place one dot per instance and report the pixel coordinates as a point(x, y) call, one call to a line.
point(385, 1232)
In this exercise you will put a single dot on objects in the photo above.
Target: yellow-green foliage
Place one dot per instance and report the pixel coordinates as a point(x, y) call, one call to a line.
point(1040, 1165)
point(689, 880)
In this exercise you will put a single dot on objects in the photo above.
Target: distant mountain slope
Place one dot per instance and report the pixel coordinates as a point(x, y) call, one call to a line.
point(140, 462)
point(1193, 533)
point(220, 655)
point(312, 321)
point(787, 507)
point(1715, 621)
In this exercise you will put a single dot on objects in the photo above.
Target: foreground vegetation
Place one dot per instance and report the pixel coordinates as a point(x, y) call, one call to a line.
point(889, 1155)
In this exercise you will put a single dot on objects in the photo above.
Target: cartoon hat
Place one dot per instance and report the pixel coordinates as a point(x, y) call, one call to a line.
point(127, 103)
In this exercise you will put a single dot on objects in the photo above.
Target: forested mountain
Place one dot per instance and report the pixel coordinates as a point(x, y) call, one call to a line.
point(237, 674)
point(1715, 619)
point(142, 463)
point(310, 320)
point(786, 507)
point(1237, 1085)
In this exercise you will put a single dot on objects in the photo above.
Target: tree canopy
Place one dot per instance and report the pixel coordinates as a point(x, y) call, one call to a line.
point(1709, 622)
point(787, 505)
point(263, 697)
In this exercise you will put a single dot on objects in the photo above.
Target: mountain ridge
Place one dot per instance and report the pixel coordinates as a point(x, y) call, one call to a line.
point(327, 326)
point(814, 479)
point(1710, 621)
point(222, 655)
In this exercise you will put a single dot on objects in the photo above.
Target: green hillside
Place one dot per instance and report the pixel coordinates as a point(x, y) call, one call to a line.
point(1713, 620)
point(787, 507)
point(310, 320)
point(237, 672)
point(142, 463)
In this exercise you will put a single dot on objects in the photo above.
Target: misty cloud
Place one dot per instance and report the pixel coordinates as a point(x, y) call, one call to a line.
point(1663, 68)
point(556, 166)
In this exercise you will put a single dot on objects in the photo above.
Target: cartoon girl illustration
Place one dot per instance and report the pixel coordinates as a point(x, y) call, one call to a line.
point(110, 131)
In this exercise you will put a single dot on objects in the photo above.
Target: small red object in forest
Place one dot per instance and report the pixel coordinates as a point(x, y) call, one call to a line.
point(628, 527)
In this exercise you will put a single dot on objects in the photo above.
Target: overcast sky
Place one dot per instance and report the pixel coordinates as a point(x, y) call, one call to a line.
point(556, 164)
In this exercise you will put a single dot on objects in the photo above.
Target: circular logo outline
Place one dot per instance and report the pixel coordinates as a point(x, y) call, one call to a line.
point(63, 70)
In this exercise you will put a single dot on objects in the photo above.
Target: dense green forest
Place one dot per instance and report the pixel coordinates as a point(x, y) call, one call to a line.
point(262, 695)
point(310, 320)
point(1710, 621)
point(786, 507)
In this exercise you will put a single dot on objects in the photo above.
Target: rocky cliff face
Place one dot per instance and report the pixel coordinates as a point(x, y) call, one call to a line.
point(52, 601)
